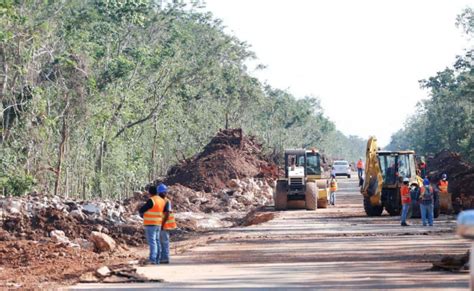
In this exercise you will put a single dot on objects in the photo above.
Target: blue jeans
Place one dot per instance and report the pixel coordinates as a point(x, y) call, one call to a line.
point(426, 212)
point(332, 198)
point(360, 172)
point(405, 208)
point(165, 246)
point(152, 233)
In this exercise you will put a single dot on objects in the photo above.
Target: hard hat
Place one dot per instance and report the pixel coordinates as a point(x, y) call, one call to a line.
point(162, 188)
point(444, 176)
point(426, 182)
point(406, 180)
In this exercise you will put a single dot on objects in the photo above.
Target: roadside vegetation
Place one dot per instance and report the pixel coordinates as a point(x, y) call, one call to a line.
point(100, 97)
point(446, 119)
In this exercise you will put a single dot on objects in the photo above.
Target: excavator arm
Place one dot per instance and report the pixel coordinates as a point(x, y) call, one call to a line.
point(372, 187)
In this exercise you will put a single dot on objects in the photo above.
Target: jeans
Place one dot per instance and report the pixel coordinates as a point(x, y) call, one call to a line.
point(426, 212)
point(360, 173)
point(332, 198)
point(152, 233)
point(165, 245)
point(405, 209)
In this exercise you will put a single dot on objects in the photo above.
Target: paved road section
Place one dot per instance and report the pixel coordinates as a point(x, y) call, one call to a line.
point(338, 248)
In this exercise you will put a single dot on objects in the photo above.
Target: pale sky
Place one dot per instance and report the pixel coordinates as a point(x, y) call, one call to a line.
point(363, 59)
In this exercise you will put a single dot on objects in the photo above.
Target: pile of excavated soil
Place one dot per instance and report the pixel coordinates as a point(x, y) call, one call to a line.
point(460, 176)
point(229, 155)
point(42, 264)
point(49, 219)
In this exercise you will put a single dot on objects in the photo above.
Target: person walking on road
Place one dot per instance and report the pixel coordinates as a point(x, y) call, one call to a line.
point(332, 190)
point(406, 201)
point(169, 223)
point(426, 203)
point(152, 213)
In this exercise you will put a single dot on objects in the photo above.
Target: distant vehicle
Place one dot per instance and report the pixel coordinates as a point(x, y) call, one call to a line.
point(342, 168)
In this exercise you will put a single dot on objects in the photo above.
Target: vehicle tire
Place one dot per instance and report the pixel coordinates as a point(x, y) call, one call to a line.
point(281, 196)
point(372, 210)
point(436, 212)
point(393, 210)
point(437, 205)
point(348, 176)
point(311, 196)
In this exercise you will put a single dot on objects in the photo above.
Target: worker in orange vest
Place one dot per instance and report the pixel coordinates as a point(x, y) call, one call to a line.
point(406, 201)
point(360, 168)
point(152, 213)
point(169, 223)
point(332, 190)
point(443, 184)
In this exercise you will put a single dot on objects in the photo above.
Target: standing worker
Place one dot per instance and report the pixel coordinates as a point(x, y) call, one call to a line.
point(360, 171)
point(406, 201)
point(360, 168)
point(443, 184)
point(168, 224)
point(152, 213)
point(426, 204)
point(332, 190)
point(444, 197)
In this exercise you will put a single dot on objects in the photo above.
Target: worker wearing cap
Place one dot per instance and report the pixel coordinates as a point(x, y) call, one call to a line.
point(168, 224)
point(426, 203)
point(443, 184)
point(406, 200)
point(152, 213)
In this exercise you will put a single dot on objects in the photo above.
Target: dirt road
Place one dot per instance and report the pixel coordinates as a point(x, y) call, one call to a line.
point(335, 248)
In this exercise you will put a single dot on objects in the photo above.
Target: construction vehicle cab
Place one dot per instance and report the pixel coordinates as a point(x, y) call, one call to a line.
point(384, 173)
point(293, 190)
point(298, 189)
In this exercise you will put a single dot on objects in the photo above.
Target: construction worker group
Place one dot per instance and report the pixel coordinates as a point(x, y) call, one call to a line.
point(424, 195)
point(158, 220)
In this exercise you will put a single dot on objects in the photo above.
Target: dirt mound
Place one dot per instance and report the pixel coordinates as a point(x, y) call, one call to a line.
point(46, 220)
point(229, 155)
point(460, 176)
point(455, 263)
point(257, 216)
point(39, 264)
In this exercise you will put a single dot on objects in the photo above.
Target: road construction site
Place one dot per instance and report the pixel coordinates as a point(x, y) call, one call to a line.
point(230, 234)
point(334, 248)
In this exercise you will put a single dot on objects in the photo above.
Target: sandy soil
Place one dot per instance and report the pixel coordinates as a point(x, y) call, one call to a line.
point(335, 248)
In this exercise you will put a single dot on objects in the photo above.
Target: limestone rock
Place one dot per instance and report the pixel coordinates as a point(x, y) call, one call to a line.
point(102, 242)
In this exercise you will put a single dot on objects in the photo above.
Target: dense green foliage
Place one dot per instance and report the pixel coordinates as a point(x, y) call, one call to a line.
point(100, 96)
point(446, 119)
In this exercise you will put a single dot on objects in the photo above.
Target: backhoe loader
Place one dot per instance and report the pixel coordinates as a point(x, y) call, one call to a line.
point(384, 173)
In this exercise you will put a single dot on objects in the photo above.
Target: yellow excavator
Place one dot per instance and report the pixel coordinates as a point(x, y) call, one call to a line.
point(384, 173)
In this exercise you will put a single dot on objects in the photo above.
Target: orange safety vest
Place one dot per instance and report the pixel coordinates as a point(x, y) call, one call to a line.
point(405, 193)
point(170, 223)
point(360, 164)
point(443, 186)
point(333, 186)
point(154, 216)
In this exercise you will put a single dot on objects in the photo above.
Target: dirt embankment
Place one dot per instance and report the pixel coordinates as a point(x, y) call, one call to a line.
point(229, 155)
point(460, 176)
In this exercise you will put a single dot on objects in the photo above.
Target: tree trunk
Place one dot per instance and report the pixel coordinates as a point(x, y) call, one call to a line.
point(60, 156)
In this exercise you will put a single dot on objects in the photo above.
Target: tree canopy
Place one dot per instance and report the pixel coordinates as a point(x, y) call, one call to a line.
point(446, 119)
point(99, 97)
